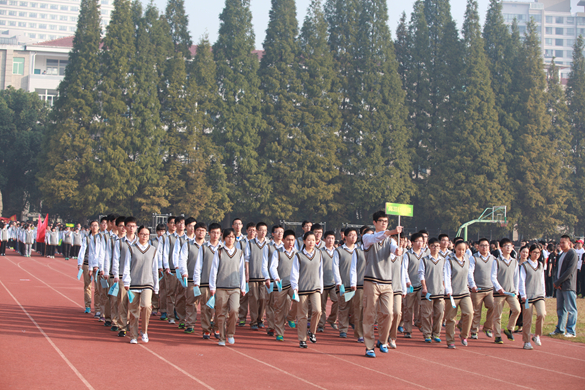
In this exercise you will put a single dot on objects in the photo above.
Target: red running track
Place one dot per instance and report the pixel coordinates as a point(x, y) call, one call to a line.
point(48, 343)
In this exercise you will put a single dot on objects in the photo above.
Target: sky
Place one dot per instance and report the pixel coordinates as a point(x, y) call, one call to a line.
point(204, 15)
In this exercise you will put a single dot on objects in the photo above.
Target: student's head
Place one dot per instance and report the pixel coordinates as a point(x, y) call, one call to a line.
point(237, 225)
point(329, 238)
point(214, 233)
point(288, 239)
point(434, 245)
point(229, 237)
point(261, 230)
point(318, 230)
point(104, 223)
point(494, 244)
point(566, 243)
point(506, 246)
point(171, 224)
point(484, 246)
point(120, 224)
point(251, 230)
point(534, 252)
point(143, 234)
point(160, 229)
point(363, 229)
point(425, 235)
point(200, 230)
point(380, 219)
point(67, 228)
point(310, 241)
point(418, 241)
point(444, 240)
point(351, 236)
point(460, 248)
point(112, 221)
point(190, 225)
point(524, 252)
point(277, 233)
point(180, 224)
point(130, 225)
point(306, 226)
point(94, 226)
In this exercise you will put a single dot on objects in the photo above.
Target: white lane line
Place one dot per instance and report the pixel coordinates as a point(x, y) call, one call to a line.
point(556, 354)
point(276, 368)
point(85, 382)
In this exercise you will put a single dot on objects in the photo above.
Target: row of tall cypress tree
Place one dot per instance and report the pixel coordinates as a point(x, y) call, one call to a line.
point(336, 119)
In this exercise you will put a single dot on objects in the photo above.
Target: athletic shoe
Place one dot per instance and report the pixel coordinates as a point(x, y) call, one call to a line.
point(401, 329)
point(163, 317)
point(216, 334)
point(383, 347)
point(114, 328)
point(528, 346)
point(261, 325)
point(182, 325)
point(407, 335)
point(108, 323)
point(498, 340)
point(206, 336)
point(569, 335)
point(221, 343)
point(436, 339)
point(133, 341)
point(102, 319)
point(122, 333)
point(172, 321)
point(360, 340)
point(254, 327)
point(509, 334)
point(231, 340)
point(308, 325)
point(556, 332)
point(488, 333)
point(144, 338)
point(370, 353)
point(464, 342)
point(291, 324)
point(242, 323)
point(392, 344)
point(189, 330)
point(343, 335)
point(474, 336)
point(312, 337)
point(519, 330)
point(87, 310)
point(536, 340)
point(302, 344)
point(270, 332)
point(320, 329)
point(451, 346)
point(279, 338)
point(97, 314)
point(334, 325)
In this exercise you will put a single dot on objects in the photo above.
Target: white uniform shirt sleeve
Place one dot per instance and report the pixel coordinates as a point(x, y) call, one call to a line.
point(353, 269)
point(522, 286)
point(321, 273)
point(274, 265)
point(82, 250)
point(108, 251)
point(183, 254)
point(213, 272)
point(126, 278)
point(447, 277)
point(197, 273)
point(421, 270)
point(517, 278)
point(294, 274)
point(470, 276)
point(335, 266)
point(265, 273)
point(166, 249)
point(405, 264)
point(159, 252)
point(247, 254)
point(155, 274)
point(371, 239)
point(242, 274)
point(404, 276)
point(497, 286)
point(177, 253)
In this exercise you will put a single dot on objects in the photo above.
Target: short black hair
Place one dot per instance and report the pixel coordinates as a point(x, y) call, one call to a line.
point(316, 226)
point(237, 219)
point(305, 222)
point(350, 229)
point(250, 224)
point(179, 219)
point(102, 219)
point(214, 226)
point(442, 235)
point(459, 242)
point(289, 233)
point(143, 227)
point(307, 234)
point(227, 232)
point(416, 236)
point(120, 219)
point(379, 214)
point(200, 225)
point(171, 218)
point(111, 217)
point(505, 241)
point(276, 227)
point(161, 226)
point(329, 233)
point(423, 231)
point(433, 241)
point(566, 237)
point(363, 229)
point(260, 224)
point(482, 240)
point(190, 220)
point(129, 220)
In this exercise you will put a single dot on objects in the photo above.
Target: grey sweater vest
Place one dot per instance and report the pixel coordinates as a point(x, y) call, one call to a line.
point(206, 261)
point(228, 271)
point(255, 263)
point(459, 272)
point(271, 249)
point(309, 282)
point(30, 237)
point(171, 240)
point(533, 283)
point(86, 255)
point(4, 234)
point(192, 253)
point(378, 263)
point(360, 267)
point(345, 266)
point(67, 238)
point(122, 259)
point(328, 279)
point(112, 243)
point(77, 239)
point(506, 275)
point(396, 264)
point(413, 264)
point(141, 267)
point(284, 267)
point(434, 276)
point(482, 274)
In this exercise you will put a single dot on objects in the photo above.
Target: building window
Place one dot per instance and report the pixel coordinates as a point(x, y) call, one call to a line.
point(51, 37)
point(548, 19)
point(63, 17)
point(42, 36)
point(581, 20)
point(32, 25)
point(559, 31)
point(2, 22)
point(18, 65)
point(64, 8)
point(72, 28)
point(31, 35)
point(22, 14)
point(34, 5)
point(559, 20)
point(44, 5)
point(21, 24)
point(569, 54)
point(53, 17)
point(32, 14)
point(570, 20)
point(548, 41)
point(73, 9)
point(2, 12)
point(559, 42)
point(43, 26)
point(105, 2)
point(13, 3)
point(56, 67)
point(73, 19)
point(24, 4)
point(52, 26)
point(570, 42)
point(559, 53)
point(571, 32)
point(536, 17)
point(43, 16)
point(12, 13)
point(54, 6)
point(62, 28)
point(548, 53)
point(11, 23)
point(581, 31)
point(105, 12)
point(3, 2)
point(522, 30)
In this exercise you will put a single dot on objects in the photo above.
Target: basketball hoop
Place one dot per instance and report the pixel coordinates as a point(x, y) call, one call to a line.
point(503, 224)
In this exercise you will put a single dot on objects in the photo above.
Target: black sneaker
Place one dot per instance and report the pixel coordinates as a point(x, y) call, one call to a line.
point(270, 332)
point(108, 323)
point(114, 328)
point(498, 340)
point(407, 335)
point(182, 325)
point(312, 337)
point(509, 335)
point(302, 344)
point(122, 333)
point(474, 336)
point(189, 330)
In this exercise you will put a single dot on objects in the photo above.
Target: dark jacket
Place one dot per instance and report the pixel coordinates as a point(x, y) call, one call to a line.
point(568, 275)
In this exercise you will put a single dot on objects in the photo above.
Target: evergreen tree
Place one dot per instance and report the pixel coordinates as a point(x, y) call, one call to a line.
point(240, 121)
point(540, 194)
point(469, 173)
point(160, 35)
point(179, 27)
point(402, 48)
point(576, 113)
point(66, 161)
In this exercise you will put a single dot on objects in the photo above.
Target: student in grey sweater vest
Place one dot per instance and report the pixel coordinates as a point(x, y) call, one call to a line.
point(343, 257)
point(274, 245)
point(480, 266)
point(227, 281)
point(411, 260)
point(29, 240)
point(399, 290)
point(141, 279)
point(358, 268)
point(280, 269)
point(202, 271)
point(532, 289)
point(257, 276)
point(328, 284)
point(431, 274)
point(458, 279)
point(306, 280)
point(243, 245)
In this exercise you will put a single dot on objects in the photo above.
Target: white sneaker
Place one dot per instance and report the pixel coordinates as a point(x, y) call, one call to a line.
point(171, 321)
point(145, 338)
point(133, 341)
point(392, 344)
point(231, 340)
point(221, 343)
point(528, 346)
point(569, 335)
point(536, 340)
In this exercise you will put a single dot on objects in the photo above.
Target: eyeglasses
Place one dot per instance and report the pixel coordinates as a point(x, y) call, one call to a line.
point(143, 234)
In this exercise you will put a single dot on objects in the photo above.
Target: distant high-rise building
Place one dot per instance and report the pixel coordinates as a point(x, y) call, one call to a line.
point(44, 20)
point(559, 23)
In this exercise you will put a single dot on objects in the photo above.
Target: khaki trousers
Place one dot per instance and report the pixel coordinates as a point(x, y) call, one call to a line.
point(86, 286)
point(540, 308)
point(162, 294)
point(270, 309)
point(411, 309)
point(105, 299)
point(171, 282)
point(283, 310)
point(431, 316)
point(357, 303)
point(396, 315)
point(466, 315)
point(191, 302)
point(227, 303)
point(343, 312)
point(332, 294)
point(257, 302)
point(206, 312)
point(140, 308)
point(155, 302)
point(122, 301)
point(302, 312)
point(114, 303)
point(374, 295)
point(499, 308)
point(243, 312)
point(487, 299)
point(97, 294)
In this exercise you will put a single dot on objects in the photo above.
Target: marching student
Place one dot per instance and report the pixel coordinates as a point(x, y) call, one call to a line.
point(30, 236)
point(187, 262)
point(280, 269)
point(238, 225)
point(141, 279)
point(108, 237)
point(378, 292)
point(458, 281)
point(179, 293)
point(480, 265)
point(318, 230)
point(201, 278)
point(255, 256)
point(77, 237)
point(358, 268)
point(307, 226)
point(274, 245)
point(159, 305)
point(90, 252)
point(227, 281)
point(165, 264)
point(444, 241)
point(411, 260)
point(343, 257)
point(505, 279)
point(171, 281)
point(532, 288)
point(399, 292)
point(118, 268)
point(243, 245)
point(431, 275)
point(306, 281)
point(67, 239)
point(120, 233)
point(4, 235)
point(329, 285)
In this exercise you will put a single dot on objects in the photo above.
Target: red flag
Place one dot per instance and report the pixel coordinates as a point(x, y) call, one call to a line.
point(42, 228)
point(13, 218)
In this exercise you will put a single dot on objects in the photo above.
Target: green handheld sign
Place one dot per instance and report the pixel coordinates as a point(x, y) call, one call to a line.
point(405, 210)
